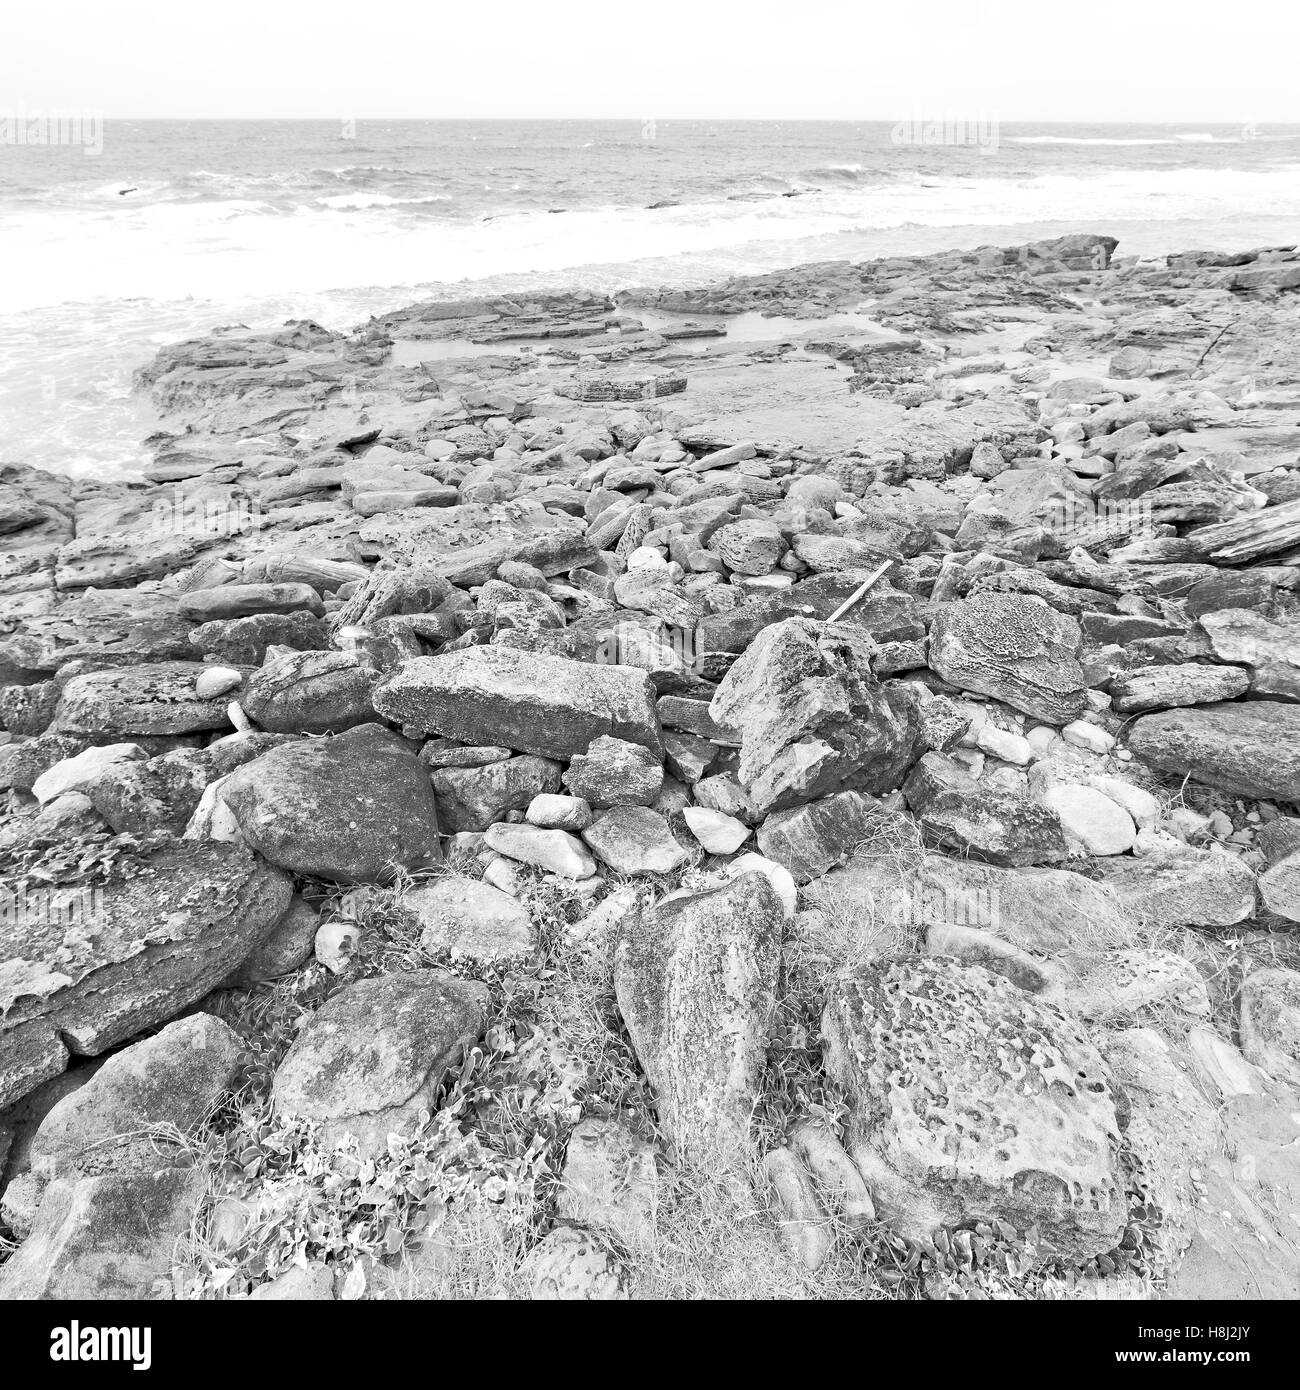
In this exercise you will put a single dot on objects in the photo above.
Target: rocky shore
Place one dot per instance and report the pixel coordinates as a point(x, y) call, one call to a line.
point(523, 773)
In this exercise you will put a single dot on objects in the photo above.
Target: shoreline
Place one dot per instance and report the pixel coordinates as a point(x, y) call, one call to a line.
point(875, 613)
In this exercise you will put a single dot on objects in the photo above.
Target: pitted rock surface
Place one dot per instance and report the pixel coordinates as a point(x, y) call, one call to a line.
point(973, 1100)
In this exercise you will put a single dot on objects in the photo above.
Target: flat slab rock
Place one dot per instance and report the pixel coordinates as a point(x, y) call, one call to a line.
point(970, 1099)
point(1198, 889)
point(531, 702)
point(1251, 749)
point(374, 1054)
point(156, 699)
point(130, 957)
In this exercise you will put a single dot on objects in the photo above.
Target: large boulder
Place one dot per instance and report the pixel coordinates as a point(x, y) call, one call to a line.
point(109, 961)
point(1014, 648)
point(811, 716)
point(311, 693)
point(1250, 749)
point(695, 979)
point(354, 808)
point(972, 1100)
point(528, 701)
point(374, 1055)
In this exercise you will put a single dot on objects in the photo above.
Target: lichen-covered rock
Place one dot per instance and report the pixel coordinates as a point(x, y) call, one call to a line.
point(354, 808)
point(152, 794)
point(471, 798)
point(244, 640)
point(470, 919)
point(154, 699)
point(1206, 889)
point(107, 963)
point(173, 1078)
point(529, 701)
point(958, 813)
point(695, 979)
point(311, 693)
point(811, 839)
point(811, 716)
point(614, 772)
point(972, 1100)
point(373, 1055)
point(1279, 886)
point(1270, 1022)
point(634, 840)
point(286, 946)
point(1250, 748)
point(1122, 983)
point(571, 1263)
point(610, 1180)
point(104, 1237)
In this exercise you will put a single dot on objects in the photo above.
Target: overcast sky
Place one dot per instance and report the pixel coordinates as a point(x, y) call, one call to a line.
point(1122, 60)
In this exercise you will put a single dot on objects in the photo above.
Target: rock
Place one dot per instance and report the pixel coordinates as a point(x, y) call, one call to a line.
point(970, 1100)
point(540, 704)
point(244, 641)
point(614, 772)
point(695, 980)
point(1091, 819)
point(311, 693)
point(811, 716)
point(1015, 649)
point(1250, 749)
point(1270, 1022)
point(298, 1284)
point(243, 600)
point(749, 547)
point(1129, 362)
point(76, 773)
point(1000, 743)
point(155, 699)
point(777, 875)
point(353, 808)
point(471, 798)
point(470, 919)
point(610, 1181)
point(1192, 890)
point(552, 812)
point(803, 1225)
point(634, 840)
point(571, 1264)
point(554, 850)
point(1279, 886)
point(1169, 687)
point(286, 947)
point(217, 680)
point(1122, 983)
point(809, 840)
point(958, 813)
point(974, 946)
point(108, 963)
point(154, 794)
point(107, 1237)
point(374, 1055)
point(173, 1078)
point(1271, 650)
point(717, 832)
point(335, 943)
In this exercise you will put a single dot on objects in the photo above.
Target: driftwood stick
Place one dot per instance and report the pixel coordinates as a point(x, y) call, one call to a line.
point(858, 592)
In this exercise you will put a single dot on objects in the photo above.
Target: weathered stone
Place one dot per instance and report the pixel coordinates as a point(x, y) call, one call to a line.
point(173, 1078)
point(970, 1100)
point(1122, 983)
point(717, 832)
point(1251, 749)
point(244, 600)
point(804, 1226)
point(540, 704)
point(470, 919)
point(471, 798)
point(311, 693)
point(114, 961)
point(961, 814)
point(695, 979)
point(634, 840)
point(552, 812)
point(282, 950)
point(1015, 649)
point(555, 850)
point(244, 640)
point(76, 773)
point(749, 547)
point(1208, 889)
point(614, 772)
point(374, 1055)
point(1271, 650)
point(570, 1264)
point(139, 797)
point(156, 699)
point(1090, 819)
point(811, 839)
point(610, 1180)
point(811, 716)
point(354, 808)
point(1270, 1022)
point(1279, 886)
point(1169, 687)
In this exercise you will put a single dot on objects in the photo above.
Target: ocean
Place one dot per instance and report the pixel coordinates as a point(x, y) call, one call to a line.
point(133, 234)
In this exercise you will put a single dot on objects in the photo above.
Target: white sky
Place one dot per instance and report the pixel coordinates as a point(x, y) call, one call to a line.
point(1120, 60)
